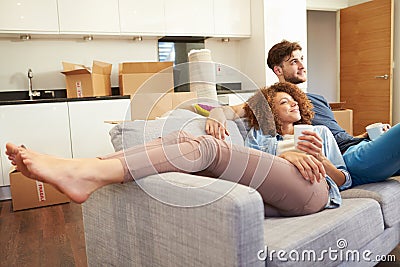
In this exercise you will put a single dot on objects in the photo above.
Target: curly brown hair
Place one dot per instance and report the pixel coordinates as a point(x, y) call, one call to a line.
point(260, 113)
point(280, 51)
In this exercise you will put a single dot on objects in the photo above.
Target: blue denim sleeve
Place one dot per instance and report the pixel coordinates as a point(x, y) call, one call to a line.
point(332, 152)
point(251, 140)
point(257, 140)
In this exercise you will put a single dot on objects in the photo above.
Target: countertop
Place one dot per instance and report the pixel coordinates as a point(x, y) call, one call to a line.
point(14, 98)
point(55, 100)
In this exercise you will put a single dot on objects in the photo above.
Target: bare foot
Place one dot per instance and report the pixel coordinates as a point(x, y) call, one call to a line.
point(76, 178)
point(13, 153)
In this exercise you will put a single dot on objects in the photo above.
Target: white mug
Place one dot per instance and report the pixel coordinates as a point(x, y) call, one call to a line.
point(298, 129)
point(376, 129)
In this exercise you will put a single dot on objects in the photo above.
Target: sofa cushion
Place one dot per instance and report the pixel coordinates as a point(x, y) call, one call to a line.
point(387, 193)
point(130, 133)
point(344, 228)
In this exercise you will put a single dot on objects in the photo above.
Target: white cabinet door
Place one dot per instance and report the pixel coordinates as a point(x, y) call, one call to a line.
point(232, 18)
point(89, 131)
point(189, 17)
point(43, 127)
point(88, 16)
point(138, 17)
point(26, 16)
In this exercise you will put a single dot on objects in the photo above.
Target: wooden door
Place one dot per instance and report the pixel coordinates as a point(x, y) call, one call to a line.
point(366, 61)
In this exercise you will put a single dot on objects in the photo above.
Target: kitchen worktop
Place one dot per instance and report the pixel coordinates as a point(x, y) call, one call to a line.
point(54, 100)
point(21, 97)
point(57, 95)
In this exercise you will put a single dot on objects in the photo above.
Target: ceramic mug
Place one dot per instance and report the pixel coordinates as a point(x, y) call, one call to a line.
point(298, 129)
point(376, 129)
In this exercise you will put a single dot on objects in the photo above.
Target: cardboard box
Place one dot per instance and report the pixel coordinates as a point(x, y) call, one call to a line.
point(27, 193)
point(344, 118)
point(134, 77)
point(151, 106)
point(82, 81)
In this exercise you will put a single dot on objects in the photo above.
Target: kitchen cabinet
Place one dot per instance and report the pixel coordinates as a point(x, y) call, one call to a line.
point(213, 18)
point(189, 17)
point(232, 18)
point(89, 131)
point(88, 17)
point(139, 17)
point(43, 127)
point(27, 16)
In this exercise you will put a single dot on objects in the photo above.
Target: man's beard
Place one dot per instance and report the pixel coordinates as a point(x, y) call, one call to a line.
point(293, 80)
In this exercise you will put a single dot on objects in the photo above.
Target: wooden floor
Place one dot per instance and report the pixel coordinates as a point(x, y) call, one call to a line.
point(48, 236)
point(53, 236)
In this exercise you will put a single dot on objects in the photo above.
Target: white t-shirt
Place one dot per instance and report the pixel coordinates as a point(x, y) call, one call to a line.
point(287, 144)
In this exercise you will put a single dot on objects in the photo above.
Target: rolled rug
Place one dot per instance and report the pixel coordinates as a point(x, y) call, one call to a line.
point(202, 74)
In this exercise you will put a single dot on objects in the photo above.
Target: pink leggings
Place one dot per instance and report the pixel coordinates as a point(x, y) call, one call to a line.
point(284, 190)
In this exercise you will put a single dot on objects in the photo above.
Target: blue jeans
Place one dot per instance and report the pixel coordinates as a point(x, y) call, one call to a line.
point(375, 161)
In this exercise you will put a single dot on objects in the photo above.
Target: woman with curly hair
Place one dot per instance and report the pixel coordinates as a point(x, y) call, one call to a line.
point(273, 132)
point(292, 183)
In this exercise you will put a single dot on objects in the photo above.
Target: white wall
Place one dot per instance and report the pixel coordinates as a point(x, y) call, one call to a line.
point(285, 19)
point(44, 57)
point(253, 53)
point(271, 23)
point(229, 55)
point(322, 54)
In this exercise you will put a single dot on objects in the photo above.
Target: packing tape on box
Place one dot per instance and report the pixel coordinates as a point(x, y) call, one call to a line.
point(40, 191)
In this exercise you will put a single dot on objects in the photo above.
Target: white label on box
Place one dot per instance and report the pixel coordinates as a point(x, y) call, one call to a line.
point(78, 86)
point(40, 190)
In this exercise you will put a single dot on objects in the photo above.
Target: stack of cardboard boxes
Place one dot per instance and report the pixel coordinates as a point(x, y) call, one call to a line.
point(151, 87)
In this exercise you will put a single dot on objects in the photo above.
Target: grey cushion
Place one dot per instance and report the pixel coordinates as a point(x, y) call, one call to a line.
point(323, 230)
point(387, 194)
point(130, 133)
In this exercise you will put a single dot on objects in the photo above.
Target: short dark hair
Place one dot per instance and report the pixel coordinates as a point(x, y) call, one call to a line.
point(280, 51)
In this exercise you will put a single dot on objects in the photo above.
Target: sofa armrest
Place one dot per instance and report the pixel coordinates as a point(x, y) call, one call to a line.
point(128, 226)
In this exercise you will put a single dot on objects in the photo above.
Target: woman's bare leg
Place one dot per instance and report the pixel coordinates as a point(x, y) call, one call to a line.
point(76, 178)
point(279, 182)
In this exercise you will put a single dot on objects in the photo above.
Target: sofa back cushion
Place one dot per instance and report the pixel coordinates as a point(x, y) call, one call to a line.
point(131, 133)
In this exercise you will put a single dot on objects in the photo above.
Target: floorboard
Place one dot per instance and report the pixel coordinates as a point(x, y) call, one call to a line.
point(47, 236)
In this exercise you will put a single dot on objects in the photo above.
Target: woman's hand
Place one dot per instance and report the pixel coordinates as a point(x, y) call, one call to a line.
point(314, 148)
point(216, 124)
point(311, 144)
point(309, 166)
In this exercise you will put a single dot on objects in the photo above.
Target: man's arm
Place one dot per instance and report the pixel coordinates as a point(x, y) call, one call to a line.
point(216, 122)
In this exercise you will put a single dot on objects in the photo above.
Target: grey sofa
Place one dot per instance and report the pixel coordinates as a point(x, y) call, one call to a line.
point(162, 221)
